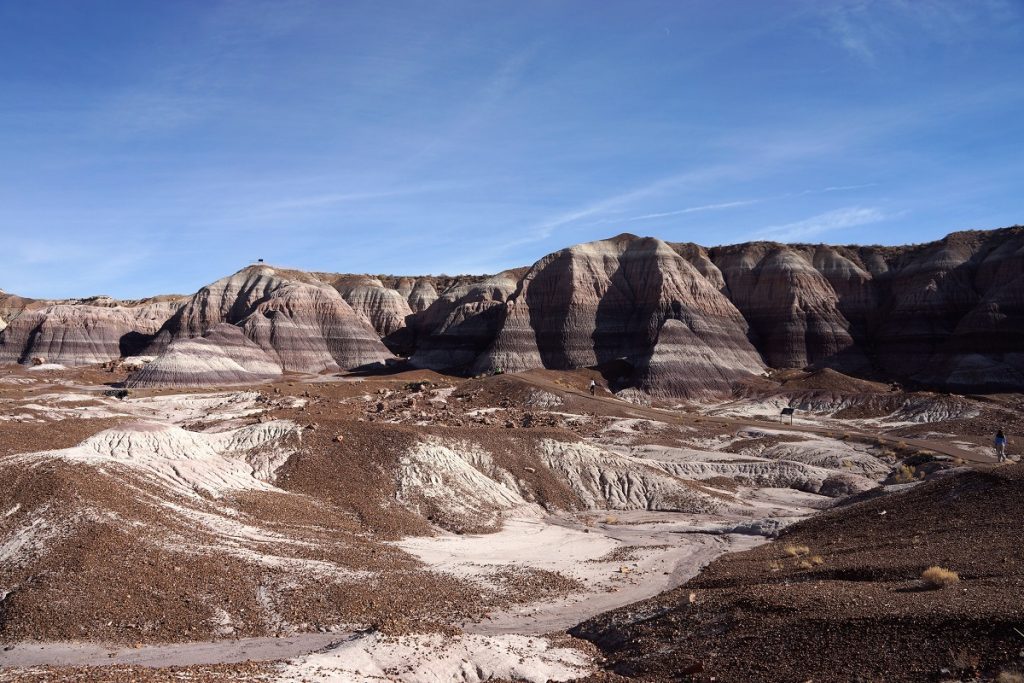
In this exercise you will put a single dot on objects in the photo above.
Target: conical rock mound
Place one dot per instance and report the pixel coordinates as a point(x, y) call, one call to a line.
point(604, 302)
point(303, 324)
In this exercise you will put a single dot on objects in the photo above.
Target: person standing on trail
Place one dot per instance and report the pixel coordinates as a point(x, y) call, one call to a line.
point(1000, 445)
point(593, 387)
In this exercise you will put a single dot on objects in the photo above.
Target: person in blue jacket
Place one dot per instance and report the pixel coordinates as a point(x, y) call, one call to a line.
point(1000, 445)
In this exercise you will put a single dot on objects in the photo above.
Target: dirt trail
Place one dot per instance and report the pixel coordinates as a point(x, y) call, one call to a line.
point(664, 415)
point(658, 573)
point(27, 654)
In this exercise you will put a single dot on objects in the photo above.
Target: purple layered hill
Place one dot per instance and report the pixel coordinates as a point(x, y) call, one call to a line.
point(80, 332)
point(223, 356)
point(391, 303)
point(302, 323)
point(948, 314)
point(667, 319)
point(634, 303)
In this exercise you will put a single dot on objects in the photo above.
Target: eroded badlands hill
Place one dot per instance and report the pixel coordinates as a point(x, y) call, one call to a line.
point(948, 314)
point(658, 319)
point(82, 332)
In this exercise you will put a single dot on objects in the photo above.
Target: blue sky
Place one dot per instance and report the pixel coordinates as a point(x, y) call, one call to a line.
point(154, 146)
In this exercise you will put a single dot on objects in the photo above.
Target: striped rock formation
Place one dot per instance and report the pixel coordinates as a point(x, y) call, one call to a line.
point(634, 302)
point(82, 333)
point(222, 356)
point(461, 325)
point(385, 308)
point(302, 323)
point(667, 319)
point(948, 314)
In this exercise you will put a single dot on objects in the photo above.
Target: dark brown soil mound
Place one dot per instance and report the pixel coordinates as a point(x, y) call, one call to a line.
point(831, 380)
point(840, 597)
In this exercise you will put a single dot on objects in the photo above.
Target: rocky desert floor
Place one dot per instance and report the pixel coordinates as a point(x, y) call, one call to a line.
point(421, 527)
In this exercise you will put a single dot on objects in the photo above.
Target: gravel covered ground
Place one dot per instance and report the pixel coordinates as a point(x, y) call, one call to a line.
point(361, 526)
point(840, 596)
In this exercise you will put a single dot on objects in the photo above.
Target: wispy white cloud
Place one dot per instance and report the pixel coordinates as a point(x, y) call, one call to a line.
point(317, 201)
point(695, 209)
point(869, 30)
point(479, 107)
point(97, 265)
point(545, 228)
point(840, 188)
point(837, 219)
point(720, 206)
point(843, 22)
point(245, 209)
point(751, 159)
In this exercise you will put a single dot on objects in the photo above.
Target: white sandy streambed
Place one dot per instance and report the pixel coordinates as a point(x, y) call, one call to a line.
point(431, 658)
point(663, 552)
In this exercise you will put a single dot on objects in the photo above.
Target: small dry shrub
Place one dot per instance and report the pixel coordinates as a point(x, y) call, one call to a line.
point(805, 564)
point(775, 566)
point(905, 474)
point(847, 463)
point(611, 519)
point(939, 577)
point(796, 550)
point(965, 660)
point(817, 560)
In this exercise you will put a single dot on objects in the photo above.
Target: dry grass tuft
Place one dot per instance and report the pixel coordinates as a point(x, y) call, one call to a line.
point(817, 560)
point(905, 474)
point(805, 564)
point(775, 566)
point(938, 577)
point(796, 550)
point(611, 519)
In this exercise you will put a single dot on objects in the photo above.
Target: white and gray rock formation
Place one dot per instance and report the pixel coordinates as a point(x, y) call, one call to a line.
point(222, 356)
point(73, 334)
